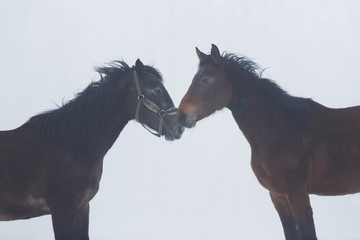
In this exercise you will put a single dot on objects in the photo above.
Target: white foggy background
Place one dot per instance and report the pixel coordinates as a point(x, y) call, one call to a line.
point(201, 186)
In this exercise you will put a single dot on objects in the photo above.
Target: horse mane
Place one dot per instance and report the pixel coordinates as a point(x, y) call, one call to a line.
point(74, 121)
point(267, 87)
point(245, 64)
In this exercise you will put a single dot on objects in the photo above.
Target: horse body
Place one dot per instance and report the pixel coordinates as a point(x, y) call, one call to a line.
point(298, 146)
point(336, 151)
point(30, 170)
point(322, 158)
point(20, 199)
point(53, 163)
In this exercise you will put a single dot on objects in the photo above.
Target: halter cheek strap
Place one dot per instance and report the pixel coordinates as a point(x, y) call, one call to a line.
point(141, 99)
point(140, 96)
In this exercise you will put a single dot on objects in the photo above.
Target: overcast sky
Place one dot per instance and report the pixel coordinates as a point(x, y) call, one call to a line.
point(202, 186)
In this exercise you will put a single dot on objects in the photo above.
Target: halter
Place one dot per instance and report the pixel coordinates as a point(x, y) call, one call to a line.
point(152, 107)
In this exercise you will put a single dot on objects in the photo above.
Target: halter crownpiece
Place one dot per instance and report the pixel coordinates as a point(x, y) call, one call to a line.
point(152, 107)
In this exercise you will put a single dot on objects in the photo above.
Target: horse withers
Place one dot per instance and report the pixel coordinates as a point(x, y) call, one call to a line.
point(298, 146)
point(52, 164)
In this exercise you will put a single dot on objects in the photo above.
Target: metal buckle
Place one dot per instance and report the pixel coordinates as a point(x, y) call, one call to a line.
point(162, 113)
point(140, 97)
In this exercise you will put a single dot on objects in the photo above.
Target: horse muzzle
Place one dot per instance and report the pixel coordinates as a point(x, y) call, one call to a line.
point(187, 120)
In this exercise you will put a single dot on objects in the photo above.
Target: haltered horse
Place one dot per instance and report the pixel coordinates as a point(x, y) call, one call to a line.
point(298, 146)
point(52, 164)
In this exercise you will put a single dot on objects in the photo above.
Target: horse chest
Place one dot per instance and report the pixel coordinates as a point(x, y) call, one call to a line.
point(277, 173)
point(89, 190)
point(263, 175)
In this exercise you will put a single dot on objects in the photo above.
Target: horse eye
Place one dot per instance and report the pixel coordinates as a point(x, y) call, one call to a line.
point(206, 80)
point(157, 91)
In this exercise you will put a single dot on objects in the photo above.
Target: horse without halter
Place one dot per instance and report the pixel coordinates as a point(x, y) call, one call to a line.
point(298, 146)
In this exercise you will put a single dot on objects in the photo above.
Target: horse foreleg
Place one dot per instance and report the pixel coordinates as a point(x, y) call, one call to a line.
point(82, 224)
point(288, 222)
point(301, 209)
point(63, 219)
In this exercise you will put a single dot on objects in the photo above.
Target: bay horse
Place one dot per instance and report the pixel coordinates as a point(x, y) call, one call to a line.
point(53, 163)
point(298, 146)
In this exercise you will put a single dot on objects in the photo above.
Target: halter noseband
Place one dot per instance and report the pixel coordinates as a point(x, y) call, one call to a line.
point(152, 107)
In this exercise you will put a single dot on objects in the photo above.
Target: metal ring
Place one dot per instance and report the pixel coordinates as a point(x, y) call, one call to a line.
point(162, 113)
point(141, 97)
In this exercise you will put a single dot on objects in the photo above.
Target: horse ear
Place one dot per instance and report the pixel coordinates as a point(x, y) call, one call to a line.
point(200, 54)
point(215, 54)
point(139, 66)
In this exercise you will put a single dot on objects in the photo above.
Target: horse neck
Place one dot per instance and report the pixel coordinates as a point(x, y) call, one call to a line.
point(258, 112)
point(85, 125)
point(106, 132)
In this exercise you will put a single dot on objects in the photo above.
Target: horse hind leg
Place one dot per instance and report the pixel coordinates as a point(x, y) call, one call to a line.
point(288, 222)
